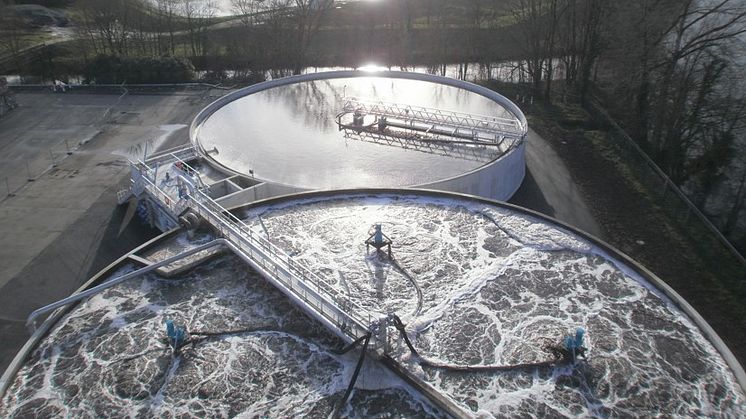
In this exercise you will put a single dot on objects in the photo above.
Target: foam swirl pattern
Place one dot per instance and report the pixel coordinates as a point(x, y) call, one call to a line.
point(109, 357)
point(476, 284)
point(497, 285)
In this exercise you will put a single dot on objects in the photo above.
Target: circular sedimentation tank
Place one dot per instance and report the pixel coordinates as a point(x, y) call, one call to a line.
point(349, 129)
point(477, 284)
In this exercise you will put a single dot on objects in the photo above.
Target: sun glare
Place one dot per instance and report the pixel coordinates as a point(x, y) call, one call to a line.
point(371, 67)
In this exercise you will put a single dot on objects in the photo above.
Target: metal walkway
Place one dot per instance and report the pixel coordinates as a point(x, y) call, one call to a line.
point(475, 152)
point(477, 128)
point(309, 291)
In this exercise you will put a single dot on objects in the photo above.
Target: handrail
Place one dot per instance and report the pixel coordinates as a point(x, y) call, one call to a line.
point(458, 120)
point(31, 320)
point(352, 102)
point(231, 226)
point(245, 234)
point(667, 182)
point(160, 157)
point(180, 155)
point(189, 170)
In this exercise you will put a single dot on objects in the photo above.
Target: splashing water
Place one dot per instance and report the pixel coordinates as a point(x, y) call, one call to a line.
point(495, 287)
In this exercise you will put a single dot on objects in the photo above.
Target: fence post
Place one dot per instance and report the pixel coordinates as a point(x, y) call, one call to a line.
point(28, 173)
point(7, 185)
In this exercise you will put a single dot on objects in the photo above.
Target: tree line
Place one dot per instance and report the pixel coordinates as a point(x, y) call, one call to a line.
point(670, 70)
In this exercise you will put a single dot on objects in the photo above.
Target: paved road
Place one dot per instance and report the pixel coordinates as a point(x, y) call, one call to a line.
point(548, 188)
point(61, 228)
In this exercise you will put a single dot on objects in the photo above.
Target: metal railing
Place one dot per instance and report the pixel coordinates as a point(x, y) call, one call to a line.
point(31, 320)
point(493, 127)
point(667, 195)
point(308, 287)
point(471, 152)
point(174, 154)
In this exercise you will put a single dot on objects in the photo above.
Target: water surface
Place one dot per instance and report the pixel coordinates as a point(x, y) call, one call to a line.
point(289, 134)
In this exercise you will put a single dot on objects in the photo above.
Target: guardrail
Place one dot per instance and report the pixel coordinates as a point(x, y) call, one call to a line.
point(667, 194)
point(498, 126)
point(84, 87)
point(179, 157)
point(173, 154)
point(335, 307)
point(31, 320)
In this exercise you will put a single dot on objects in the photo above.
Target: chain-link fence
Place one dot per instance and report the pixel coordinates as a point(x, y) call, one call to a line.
point(702, 233)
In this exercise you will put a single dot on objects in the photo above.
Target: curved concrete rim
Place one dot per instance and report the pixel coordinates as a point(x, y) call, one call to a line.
point(704, 327)
point(15, 365)
point(686, 308)
point(213, 107)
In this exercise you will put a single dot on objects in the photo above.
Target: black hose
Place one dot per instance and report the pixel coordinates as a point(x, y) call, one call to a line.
point(359, 365)
point(417, 288)
point(400, 327)
point(469, 368)
point(351, 346)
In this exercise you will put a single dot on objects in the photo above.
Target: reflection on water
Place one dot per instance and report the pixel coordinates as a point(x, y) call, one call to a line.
point(288, 134)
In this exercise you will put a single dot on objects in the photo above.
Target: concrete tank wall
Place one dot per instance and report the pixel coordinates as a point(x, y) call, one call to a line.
point(261, 191)
point(499, 179)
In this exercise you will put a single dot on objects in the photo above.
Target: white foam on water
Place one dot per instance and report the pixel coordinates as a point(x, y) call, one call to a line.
point(497, 286)
point(586, 288)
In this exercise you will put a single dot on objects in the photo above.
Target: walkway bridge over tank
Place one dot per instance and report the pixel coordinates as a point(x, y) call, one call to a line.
point(177, 188)
point(437, 124)
point(179, 191)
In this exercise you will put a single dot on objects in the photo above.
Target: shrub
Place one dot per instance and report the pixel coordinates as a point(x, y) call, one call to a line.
point(108, 69)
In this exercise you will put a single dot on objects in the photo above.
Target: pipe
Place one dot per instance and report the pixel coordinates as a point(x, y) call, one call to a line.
point(338, 409)
point(31, 321)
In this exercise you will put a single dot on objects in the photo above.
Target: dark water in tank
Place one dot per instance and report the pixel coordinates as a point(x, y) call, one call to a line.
point(495, 287)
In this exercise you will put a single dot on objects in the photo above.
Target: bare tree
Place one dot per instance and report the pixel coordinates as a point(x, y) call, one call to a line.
point(676, 64)
point(306, 16)
point(696, 35)
point(167, 15)
point(198, 15)
point(537, 25)
point(581, 40)
point(106, 25)
point(11, 31)
point(247, 10)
